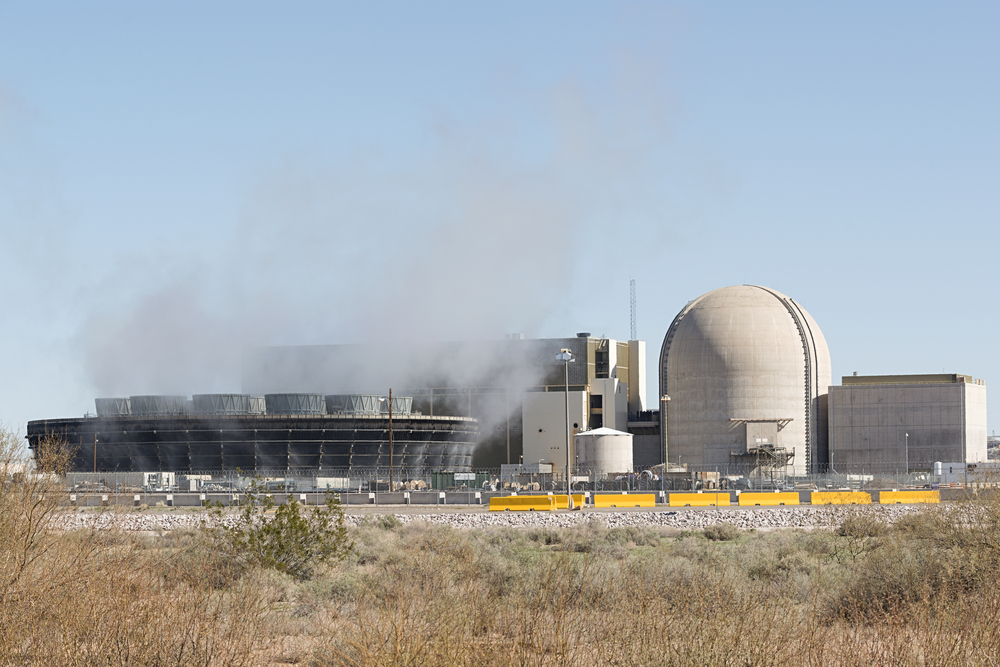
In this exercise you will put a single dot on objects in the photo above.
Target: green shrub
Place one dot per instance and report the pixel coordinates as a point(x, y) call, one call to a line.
point(292, 540)
point(722, 532)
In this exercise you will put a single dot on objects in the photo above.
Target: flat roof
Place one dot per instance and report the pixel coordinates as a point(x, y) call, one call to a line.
point(935, 378)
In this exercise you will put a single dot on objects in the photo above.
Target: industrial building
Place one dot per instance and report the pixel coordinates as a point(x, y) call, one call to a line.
point(270, 433)
point(890, 422)
point(744, 375)
point(514, 387)
point(744, 386)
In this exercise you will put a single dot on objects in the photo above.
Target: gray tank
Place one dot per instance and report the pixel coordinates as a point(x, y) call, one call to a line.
point(295, 404)
point(228, 404)
point(113, 407)
point(159, 406)
point(355, 404)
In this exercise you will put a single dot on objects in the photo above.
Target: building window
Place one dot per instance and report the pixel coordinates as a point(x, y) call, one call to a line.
point(601, 364)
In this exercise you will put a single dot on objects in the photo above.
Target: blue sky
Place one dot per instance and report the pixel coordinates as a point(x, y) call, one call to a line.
point(181, 180)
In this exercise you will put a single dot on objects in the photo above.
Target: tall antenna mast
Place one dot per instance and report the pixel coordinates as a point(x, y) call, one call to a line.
point(632, 289)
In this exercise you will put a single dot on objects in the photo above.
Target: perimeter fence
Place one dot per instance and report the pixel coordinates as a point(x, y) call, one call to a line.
point(536, 478)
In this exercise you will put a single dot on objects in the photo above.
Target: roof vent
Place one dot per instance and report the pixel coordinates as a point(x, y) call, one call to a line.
point(583, 334)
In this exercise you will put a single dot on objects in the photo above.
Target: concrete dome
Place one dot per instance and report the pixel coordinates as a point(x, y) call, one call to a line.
point(744, 365)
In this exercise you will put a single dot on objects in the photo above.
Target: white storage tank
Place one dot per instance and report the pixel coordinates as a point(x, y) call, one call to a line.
point(603, 451)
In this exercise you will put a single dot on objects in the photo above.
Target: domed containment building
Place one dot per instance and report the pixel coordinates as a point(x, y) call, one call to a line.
point(747, 372)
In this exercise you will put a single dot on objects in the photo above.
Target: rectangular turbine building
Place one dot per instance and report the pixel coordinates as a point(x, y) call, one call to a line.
point(882, 423)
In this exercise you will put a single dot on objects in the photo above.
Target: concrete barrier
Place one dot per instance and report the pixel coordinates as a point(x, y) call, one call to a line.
point(840, 498)
point(908, 497)
point(562, 502)
point(522, 504)
point(749, 498)
point(625, 500)
point(720, 499)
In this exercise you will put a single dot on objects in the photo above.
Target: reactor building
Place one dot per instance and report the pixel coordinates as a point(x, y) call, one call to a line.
point(744, 378)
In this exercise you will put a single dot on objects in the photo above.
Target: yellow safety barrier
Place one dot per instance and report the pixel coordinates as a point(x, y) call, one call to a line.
point(720, 499)
point(767, 498)
point(522, 503)
point(562, 503)
point(840, 498)
point(625, 500)
point(893, 497)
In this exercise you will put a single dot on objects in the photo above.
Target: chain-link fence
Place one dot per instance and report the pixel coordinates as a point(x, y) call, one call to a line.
point(527, 479)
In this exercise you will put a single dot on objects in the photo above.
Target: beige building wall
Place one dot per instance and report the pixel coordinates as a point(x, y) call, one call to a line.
point(614, 402)
point(637, 376)
point(870, 417)
point(975, 422)
point(545, 425)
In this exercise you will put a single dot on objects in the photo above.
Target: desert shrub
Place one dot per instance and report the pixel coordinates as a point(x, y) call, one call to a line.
point(722, 532)
point(382, 521)
point(639, 536)
point(292, 540)
point(545, 535)
point(862, 525)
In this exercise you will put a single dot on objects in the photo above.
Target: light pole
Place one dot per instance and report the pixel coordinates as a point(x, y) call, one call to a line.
point(390, 439)
point(663, 429)
point(906, 453)
point(566, 356)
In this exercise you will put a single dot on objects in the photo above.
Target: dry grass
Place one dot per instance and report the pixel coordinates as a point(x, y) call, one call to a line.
point(921, 592)
point(101, 598)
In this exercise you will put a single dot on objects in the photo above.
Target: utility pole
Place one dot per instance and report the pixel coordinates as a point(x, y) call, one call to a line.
point(95, 452)
point(390, 440)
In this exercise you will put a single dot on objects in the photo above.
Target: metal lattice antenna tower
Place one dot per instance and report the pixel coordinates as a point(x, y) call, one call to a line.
point(632, 290)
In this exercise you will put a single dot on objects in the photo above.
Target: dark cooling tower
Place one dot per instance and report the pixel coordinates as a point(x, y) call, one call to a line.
point(401, 405)
point(353, 404)
point(113, 407)
point(228, 404)
point(295, 404)
point(158, 406)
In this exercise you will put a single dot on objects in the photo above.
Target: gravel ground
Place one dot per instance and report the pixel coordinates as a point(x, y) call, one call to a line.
point(757, 518)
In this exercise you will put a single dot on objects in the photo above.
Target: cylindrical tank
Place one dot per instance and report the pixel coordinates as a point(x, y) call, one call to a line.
point(295, 404)
point(113, 407)
point(228, 404)
point(158, 406)
point(358, 404)
point(741, 364)
point(603, 451)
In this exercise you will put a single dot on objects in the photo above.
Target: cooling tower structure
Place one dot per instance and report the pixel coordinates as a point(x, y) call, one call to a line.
point(747, 371)
point(263, 434)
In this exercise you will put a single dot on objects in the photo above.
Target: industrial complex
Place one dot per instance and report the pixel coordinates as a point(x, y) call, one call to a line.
point(745, 388)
